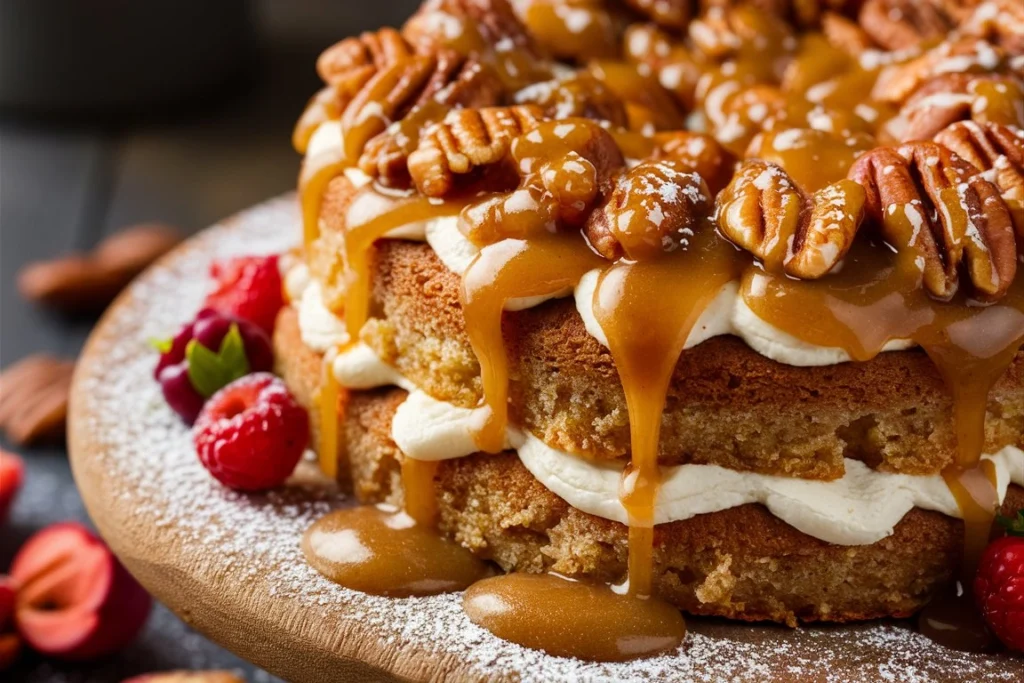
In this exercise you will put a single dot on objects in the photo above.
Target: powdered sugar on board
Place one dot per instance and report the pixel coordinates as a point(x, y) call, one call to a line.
point(145, 482)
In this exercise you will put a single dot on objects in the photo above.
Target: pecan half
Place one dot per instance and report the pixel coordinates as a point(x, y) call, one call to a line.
point(721, 31)
point(465, 140)
point(1001, 21)
point(349, 64)
point(998, 152)
point(655, 207)
point(763, 211)
point(573, 30)
point(956, 97)
point(676, 69)
point(968, 55)
point(34, 399)
point(697, 153)
point(457, 81)
point(899, 24)
point(938, 214)
point(579, 94)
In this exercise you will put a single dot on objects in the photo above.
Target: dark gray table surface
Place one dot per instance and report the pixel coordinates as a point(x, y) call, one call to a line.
point(65, 184)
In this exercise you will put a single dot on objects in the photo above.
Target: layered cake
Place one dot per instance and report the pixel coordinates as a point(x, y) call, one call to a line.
point(665, 305)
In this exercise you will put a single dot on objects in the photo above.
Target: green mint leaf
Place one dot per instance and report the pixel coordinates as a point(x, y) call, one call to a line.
point(208, 371)
point(1013, 526)
point(162, 345)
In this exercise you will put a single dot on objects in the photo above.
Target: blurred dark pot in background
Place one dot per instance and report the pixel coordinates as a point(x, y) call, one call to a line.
point(117, 56)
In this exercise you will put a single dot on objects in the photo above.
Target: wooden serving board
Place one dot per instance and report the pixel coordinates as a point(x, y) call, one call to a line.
point(230, 564)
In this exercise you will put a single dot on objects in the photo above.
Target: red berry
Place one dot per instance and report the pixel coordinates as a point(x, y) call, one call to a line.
point(251, 434)
point(999, 587)
point(249, 287)
point(208, 329)
point(12, 471)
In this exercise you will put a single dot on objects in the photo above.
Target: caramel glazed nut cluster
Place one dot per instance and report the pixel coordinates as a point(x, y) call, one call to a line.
point(792, 125)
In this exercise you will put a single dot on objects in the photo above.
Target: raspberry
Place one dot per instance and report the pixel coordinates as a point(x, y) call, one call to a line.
point(251, 434)
point(248, 287)
point(999, 585)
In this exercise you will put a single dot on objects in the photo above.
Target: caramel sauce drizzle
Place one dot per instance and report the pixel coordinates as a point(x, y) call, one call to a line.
point(506, 270)
point(568, 618)
point(327, 405)
point(647, 310)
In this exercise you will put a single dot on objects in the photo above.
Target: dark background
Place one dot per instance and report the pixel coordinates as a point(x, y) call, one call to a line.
point(84, 153)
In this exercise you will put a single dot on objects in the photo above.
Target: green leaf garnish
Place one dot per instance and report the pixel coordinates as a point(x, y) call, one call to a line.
point(208, 371)
point(162, 345)
point(1014, 525)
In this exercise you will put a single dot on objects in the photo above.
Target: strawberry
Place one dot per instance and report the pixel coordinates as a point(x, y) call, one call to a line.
point(251, 434)
point(999, 585)
point(248, 287)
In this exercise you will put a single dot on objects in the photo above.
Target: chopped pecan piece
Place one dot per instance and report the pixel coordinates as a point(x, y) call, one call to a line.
point(465, 140)
point(654, 207)
point(580, 94)
point(899, 24)
point(939, 213)
point(763, 211)
point(349, 64)
point(697, 153)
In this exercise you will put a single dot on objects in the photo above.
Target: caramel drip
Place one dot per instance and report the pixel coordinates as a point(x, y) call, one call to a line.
point(418, 487)
point(568, 618)
point(383, 551)
point(317, 173)
point(327, 405)
point(373, 213)
point(506, 270)
point(325, 106)
point(647, 310)
point(877, 297)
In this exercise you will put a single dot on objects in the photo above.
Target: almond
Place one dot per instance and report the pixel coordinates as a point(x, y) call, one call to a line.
point(34, 399)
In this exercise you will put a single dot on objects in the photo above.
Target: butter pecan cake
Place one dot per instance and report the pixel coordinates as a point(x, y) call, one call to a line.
point(665, 305)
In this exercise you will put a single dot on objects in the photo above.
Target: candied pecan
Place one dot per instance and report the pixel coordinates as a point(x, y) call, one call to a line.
point(720, 31)
point(671, 14)
point(899, 24)
point(998, 152)
point(572, 30)
point(385, 98)
point(763, 211)
point(938, 212)
point(968, 55)
point(464, 140)
point(955, 97)
point(676, 69)
point(697, 153)
point(1001, 21)
point(579, 94)
point(349, 64)
point(845, 34)
point(466, 26)
point(564, 167)
point(654, 207)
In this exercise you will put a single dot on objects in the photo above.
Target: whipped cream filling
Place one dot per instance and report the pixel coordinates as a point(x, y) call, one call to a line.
point(860, 508)
point(727, 313)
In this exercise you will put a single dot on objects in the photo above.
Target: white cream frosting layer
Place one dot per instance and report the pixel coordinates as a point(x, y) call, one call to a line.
point(860, 508)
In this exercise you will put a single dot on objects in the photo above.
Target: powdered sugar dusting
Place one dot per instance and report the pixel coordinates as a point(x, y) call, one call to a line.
point(154, 485)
